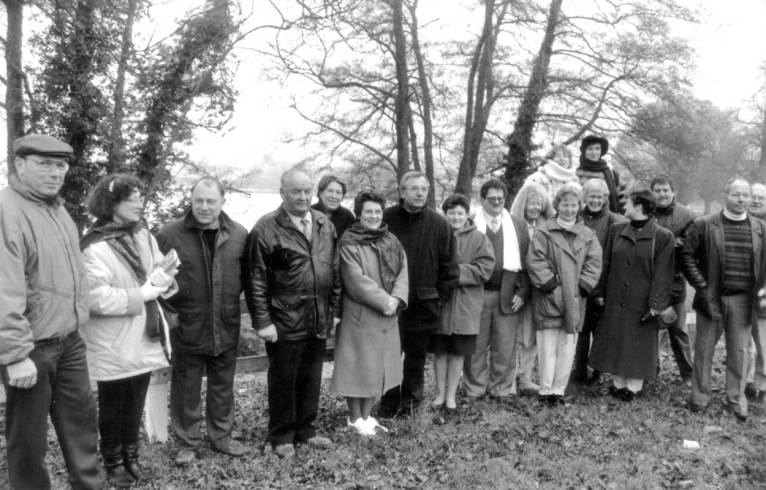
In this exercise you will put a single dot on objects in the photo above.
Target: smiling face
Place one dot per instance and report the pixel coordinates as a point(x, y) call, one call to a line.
point(665, 194)
point(129, 210)
point(568, 207)
point(371, 216)
point(44, 175)
point(494, 202)
point(456, 217)
point(738, 197)
point(595, 200)
point(331, 196)
point(534, 207)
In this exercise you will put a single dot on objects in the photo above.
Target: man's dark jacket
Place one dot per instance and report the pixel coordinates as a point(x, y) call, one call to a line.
point(432, 263)
point(291, 283)
point(208, 298)
point(703, 259)
point(677, 218)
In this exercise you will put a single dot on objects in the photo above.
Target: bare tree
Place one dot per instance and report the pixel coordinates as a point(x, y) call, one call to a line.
point(14, 76)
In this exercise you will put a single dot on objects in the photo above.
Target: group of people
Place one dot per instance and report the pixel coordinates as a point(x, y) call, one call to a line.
point(567, 282)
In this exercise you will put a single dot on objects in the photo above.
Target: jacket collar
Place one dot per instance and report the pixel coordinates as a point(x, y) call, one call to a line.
point(666, 211)
point(644, 233)
point(559, 239)
point(27, 193)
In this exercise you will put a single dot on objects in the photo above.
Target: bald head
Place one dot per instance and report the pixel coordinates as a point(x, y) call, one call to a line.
point(296, 191)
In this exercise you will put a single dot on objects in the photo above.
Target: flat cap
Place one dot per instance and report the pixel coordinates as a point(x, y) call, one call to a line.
point(41, 144)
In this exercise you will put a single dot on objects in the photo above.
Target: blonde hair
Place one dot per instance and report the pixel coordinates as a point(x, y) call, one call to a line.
point(529, 190)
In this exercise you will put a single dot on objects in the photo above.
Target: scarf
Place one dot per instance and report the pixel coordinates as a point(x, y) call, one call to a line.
point(386, 246)
point(603, 168)
point(121, 239)
point(511, 254)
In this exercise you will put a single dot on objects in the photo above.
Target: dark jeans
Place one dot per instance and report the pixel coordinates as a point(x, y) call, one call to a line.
point(678, 334)
point(410, 393)
point(186, 400)
point(295, 374)
point(120, 406)
point(63, 391)
point(582, 352)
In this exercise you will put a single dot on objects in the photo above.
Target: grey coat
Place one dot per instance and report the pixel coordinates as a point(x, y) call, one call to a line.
point(559, 270)
point(461, 313)
point(368, 358)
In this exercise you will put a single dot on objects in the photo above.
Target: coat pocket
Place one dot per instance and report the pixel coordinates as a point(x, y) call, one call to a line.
point(288, 312)
point(429, 307)
point(552, 304)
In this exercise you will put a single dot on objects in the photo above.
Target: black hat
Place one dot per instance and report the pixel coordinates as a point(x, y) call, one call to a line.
point(42, 144)
point(593, 140)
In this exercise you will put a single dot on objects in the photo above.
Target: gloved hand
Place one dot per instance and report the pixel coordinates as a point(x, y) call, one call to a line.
point(150, 292)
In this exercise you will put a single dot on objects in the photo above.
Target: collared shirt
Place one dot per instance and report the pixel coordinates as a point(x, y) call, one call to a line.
point(493, 222)
point(297, 222)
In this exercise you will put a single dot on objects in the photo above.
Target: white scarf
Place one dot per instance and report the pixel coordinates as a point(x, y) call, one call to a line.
point(511, 254)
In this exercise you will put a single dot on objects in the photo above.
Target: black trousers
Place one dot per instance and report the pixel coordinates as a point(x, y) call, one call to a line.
point(63, 391)
point(294, 378)
point(186, 398)
point(410, 393)
point(120, 407)
point(582, 351)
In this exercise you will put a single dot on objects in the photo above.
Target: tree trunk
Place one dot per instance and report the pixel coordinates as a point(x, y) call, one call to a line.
point(761, 177)
point(425, 89)
point(480, 90)
point(116, 151)
point(520, 139)
point(402, 106)
point(14, 90)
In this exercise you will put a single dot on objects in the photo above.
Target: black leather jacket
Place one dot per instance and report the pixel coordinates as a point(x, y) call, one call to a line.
point(291, 283)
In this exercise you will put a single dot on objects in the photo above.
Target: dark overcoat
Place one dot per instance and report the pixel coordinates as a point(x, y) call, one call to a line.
point(636, 277)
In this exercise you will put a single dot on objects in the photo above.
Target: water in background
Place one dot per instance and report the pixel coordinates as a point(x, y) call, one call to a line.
point(246, 209)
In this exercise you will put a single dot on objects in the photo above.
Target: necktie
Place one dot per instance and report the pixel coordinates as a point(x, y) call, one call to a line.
point(495, 225)
point(305, 229)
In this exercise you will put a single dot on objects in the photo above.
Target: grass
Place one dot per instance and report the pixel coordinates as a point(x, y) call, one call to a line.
point(593, 443)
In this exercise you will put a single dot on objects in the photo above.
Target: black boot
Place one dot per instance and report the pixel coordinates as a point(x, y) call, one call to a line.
point(130, 458)
point(115, 469)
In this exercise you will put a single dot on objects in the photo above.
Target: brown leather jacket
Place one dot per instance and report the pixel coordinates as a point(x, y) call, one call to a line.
point(290, 282)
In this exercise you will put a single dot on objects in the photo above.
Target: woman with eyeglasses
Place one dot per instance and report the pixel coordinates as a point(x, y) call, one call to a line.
point(126, 274)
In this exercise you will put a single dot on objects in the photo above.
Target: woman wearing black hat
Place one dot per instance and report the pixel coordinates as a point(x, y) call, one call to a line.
point(592, 166)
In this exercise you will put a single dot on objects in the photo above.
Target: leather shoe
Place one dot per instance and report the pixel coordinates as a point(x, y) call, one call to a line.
point(185, 457)
point(734, 410)
point(320, 442)
point(234, 448)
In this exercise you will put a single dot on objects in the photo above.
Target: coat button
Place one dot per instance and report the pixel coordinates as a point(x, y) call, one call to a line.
point(622, 304)
point(625, 283)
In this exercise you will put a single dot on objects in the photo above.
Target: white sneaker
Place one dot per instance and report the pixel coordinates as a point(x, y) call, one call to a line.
point(373, 425)
point(361, 426)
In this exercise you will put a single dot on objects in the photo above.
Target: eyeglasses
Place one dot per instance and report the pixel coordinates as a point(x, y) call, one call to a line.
point(50, 166)
point(495, 200)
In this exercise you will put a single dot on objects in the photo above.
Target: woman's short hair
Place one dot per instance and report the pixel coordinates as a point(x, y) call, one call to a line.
point(641, 195)
point(591, 185)
point(456, 200)
point(367, 196)
point(329, 179)
point(569, 189)
point(109, 192)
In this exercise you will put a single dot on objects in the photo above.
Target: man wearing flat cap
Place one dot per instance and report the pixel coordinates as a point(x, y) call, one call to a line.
point(43, 302)
point(592, 166)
